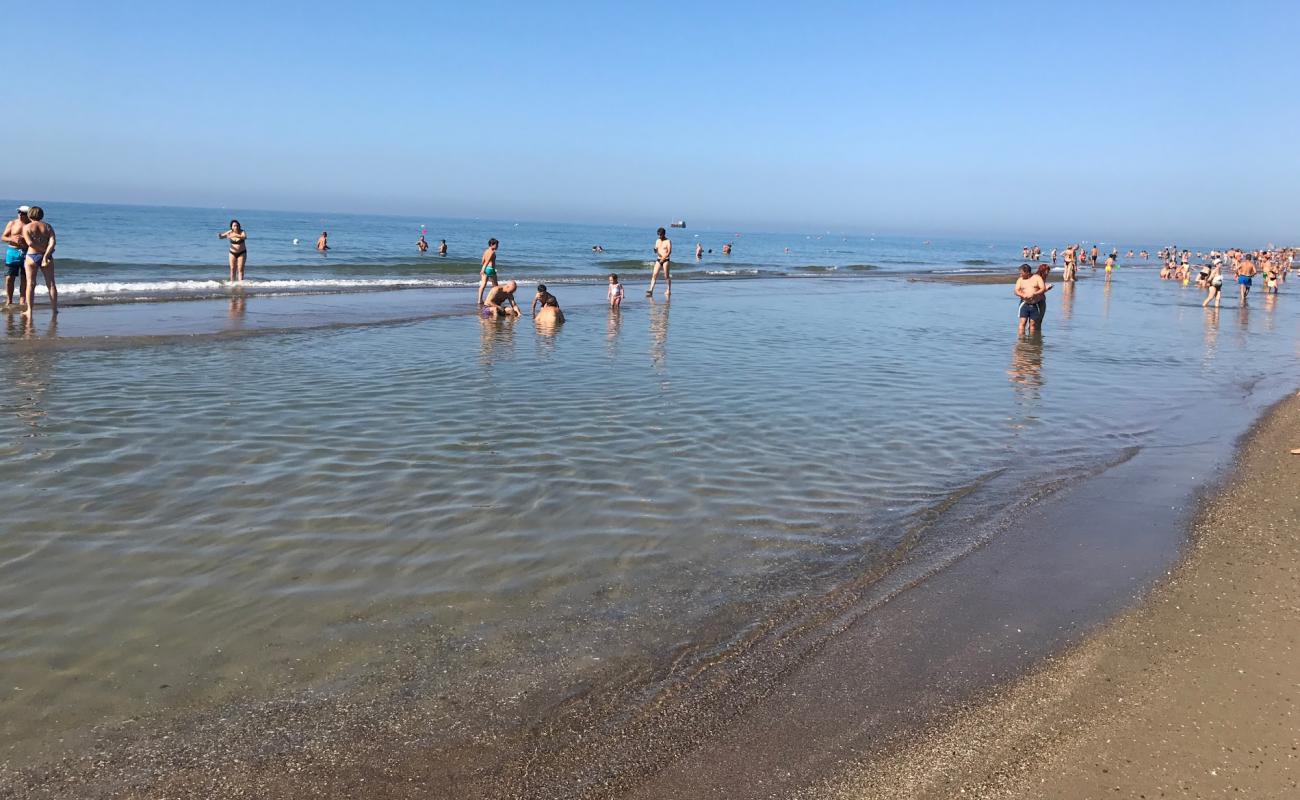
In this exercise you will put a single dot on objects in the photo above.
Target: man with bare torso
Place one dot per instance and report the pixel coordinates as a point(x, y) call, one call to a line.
point(39, 237)
point(663, 258)
point(15, 254)
point(501, 300)
point(1245, 277)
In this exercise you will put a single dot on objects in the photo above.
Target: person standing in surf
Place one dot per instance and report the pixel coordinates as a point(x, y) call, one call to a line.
point(14, 256)
point(1030, 289)
point(238, 239)
point(323, 243)
point(39, 237)
point(487, 269)
point(663, 260)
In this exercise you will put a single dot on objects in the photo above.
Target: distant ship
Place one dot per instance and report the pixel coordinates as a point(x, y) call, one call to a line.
point(681, 223)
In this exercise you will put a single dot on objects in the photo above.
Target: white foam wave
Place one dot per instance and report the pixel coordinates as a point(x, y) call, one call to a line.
point(180, 288)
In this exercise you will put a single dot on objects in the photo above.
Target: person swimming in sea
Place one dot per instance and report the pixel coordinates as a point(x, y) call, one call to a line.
point(615, 292)
point(488, 269)
point(442, 247)
point(323, 243)
point(422, 244)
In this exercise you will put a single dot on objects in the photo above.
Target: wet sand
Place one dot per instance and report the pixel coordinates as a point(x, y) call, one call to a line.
point(1192, 694)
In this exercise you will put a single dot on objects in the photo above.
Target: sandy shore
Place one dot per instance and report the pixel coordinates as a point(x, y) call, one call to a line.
point(1192, 694)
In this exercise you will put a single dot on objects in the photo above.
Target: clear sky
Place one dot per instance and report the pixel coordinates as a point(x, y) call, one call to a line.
point(1079, 119)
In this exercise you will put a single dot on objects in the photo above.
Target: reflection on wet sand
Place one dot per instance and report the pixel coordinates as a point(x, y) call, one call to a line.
point(1067, 300)
point(1105, 300)
point(1026, 370)
point(29, 368)
point(1211, 337)
point(612, 328)
point(238, 308)
point(658, 333)
point(497, 340)
point(548, 330)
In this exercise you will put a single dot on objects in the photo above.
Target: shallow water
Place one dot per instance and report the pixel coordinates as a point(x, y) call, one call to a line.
point(198, 521)
point(110, 253)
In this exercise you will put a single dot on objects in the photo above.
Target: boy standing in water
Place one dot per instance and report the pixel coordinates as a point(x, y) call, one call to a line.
point(488, 269)
point(615, 292)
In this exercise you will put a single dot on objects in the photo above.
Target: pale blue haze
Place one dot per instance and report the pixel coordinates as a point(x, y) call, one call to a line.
point(1164, 121)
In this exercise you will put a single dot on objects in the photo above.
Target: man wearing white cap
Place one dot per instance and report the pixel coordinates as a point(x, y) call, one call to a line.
point(14, 255)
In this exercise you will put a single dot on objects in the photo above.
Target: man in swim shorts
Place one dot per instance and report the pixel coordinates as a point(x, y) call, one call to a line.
point(663, 258)
point(1245, 277)
point(1030, 289)
point(488, 269)
point(14, 256)
point(501, 300)
point(39, 237)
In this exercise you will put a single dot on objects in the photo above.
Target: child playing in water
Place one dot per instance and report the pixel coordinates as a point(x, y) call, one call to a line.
point(543, 298)
point(615, 292)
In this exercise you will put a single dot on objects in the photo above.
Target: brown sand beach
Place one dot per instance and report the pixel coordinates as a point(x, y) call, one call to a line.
point(1192, 694)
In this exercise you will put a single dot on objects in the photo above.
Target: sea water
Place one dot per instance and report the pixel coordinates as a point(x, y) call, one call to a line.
point(479, 510)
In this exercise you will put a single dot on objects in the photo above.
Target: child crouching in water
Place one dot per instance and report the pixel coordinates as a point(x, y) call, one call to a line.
point(615, 292)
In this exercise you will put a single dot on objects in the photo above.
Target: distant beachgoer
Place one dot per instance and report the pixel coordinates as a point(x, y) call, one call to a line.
point(501, 300)
point(1030, 290)
point(1092, 257)
point(1214, 287)
point(1130, 254)
point(595, 248)
point(1245, 277)
point(1145, 255)
point(1110, 264)
point(1053, 256)
point(422, 244)
point(488, 268)
point(699, 251)
point(39, 237)
point(663, 260)
point(726, 249)
point(1024, 252)
point(238, 239)
point(543, 297)
point(442, 247)
point(14, 256)
point(323, 243)
point(615, 292)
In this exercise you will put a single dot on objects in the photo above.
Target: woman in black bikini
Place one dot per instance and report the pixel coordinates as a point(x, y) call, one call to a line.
point(238, 249)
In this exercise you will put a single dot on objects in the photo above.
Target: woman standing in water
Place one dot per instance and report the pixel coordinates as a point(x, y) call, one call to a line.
point(238, 249)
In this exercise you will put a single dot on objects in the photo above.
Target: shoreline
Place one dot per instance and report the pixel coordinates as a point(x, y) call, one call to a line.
point(1193, 691)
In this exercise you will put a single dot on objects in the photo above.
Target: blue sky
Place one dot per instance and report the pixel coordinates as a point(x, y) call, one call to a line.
point(1080, 119)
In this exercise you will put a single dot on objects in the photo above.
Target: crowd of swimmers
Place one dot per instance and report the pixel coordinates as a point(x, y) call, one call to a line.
point(1032, 284)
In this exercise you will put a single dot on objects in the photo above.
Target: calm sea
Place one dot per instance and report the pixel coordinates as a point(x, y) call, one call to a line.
point(113, 253)
point(455, 518)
